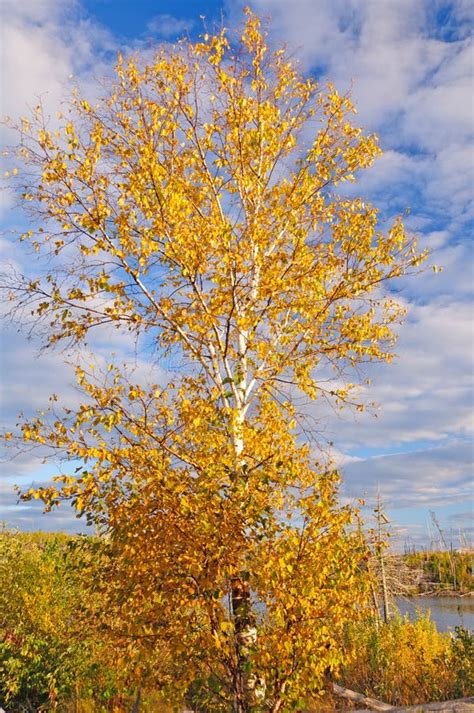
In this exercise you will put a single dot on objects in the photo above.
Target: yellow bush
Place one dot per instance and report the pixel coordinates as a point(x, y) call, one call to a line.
point(406, 662)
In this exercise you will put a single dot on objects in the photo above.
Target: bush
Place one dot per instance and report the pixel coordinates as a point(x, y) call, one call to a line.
point(47, 656)
point(406, 662)
point(56, 654)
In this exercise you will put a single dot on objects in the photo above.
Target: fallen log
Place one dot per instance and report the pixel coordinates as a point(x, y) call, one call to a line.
point(459, 705)
point(371, 703)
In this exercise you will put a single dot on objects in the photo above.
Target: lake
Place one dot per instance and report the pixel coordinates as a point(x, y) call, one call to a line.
point(446, 612)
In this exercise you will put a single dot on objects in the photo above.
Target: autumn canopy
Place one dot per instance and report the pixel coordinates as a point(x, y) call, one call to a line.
point(199, 207)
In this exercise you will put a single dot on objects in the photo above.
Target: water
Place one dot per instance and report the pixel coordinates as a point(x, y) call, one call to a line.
point(446, 612)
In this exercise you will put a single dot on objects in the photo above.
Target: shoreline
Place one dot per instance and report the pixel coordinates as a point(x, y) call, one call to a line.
point(438, 594)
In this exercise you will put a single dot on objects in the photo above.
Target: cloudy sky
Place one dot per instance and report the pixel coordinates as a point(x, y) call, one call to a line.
point(409, 64)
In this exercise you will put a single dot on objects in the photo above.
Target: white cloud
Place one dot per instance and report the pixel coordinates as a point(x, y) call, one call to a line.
point(409, 82)
point(165, 25)
point(46, 46)
point(442, 109)
point(429, 478)
point(426, 394)
point(29, 515)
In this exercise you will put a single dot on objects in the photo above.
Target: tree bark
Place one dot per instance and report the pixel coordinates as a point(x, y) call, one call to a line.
point(245, 636)
point(136, 704)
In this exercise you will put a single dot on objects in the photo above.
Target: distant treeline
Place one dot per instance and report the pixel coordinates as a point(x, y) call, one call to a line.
point(441, 570)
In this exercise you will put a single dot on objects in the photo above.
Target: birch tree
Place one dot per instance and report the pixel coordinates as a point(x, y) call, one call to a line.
point(196, 207)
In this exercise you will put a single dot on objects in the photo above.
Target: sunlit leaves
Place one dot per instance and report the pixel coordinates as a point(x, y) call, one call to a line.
point(196, 206)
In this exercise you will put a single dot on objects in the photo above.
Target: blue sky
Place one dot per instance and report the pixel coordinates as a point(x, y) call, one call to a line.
point(410, 66)
point(132, 20)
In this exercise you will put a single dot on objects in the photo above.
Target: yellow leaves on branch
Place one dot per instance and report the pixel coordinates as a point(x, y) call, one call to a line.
point(196, 206)
point(193, 166)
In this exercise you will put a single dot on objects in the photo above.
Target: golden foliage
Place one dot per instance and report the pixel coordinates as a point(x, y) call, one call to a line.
point(196, 207)
point(406, 662)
